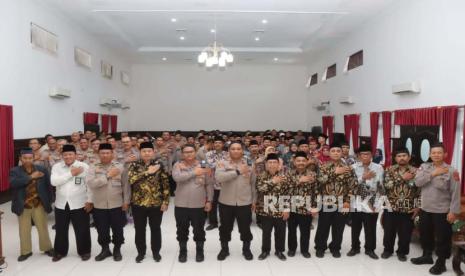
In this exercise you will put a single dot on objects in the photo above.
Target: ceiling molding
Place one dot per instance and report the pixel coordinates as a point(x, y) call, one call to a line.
point(232, 49)
point(218, 11)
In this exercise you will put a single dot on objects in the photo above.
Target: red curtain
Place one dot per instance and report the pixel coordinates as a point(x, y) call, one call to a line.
point(449, 129)
point(90, 118)
point(374, 124)
point(6, 145)
point(430, 116)
point(113, 123)
point(105, 122)
point(352, 124)
point(387, 125)
point(328, 127)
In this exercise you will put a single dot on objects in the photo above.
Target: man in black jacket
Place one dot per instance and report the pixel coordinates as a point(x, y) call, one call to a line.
point(31, 189)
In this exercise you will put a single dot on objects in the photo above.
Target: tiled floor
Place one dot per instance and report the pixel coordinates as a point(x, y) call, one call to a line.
point(235, 265)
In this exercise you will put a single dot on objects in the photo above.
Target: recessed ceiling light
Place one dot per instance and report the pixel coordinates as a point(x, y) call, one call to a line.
point(264, 21)
point(275, 59)
point(173, 20)
point(257, 38)
point(164, 59)
point(182, 38)
point(212, 31)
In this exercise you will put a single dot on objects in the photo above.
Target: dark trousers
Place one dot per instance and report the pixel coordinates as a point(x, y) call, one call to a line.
point(106, 219)
point(229, 214)
point(435, 233)
point(334, 221)
point(400, 224)
point(279, 226)
point(368, 221)
point(186, 217)
point(172, 185)
point(154, 215)
point(304, 222)
point(213, 214)
point(80, 220)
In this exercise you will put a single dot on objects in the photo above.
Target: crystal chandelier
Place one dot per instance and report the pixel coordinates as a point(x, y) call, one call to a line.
point(215, 55)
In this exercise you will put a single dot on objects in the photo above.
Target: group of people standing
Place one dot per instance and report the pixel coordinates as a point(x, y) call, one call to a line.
point(286, 179)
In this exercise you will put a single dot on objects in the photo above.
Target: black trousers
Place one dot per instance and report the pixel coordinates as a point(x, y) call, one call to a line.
point(213, 214)
point(279, 226)
point(368, 221)
point(154, 216)
point(435, 233)
point(106, 219)
point(186, 217)
point(80, 220)
point(400, 224)
point(229, 214)
point(172, 185)
point(334, 221)
point(304, 222)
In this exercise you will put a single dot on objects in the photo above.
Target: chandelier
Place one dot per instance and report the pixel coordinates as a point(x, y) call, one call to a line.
point(215, 55)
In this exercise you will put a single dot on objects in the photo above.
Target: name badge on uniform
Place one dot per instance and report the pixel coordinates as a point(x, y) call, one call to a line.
point(78, 180)
point(116, 183)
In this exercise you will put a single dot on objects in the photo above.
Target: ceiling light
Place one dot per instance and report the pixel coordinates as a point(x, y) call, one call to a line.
point(164, 59)
point(212, 31)
point(182, 38)
point(215, 54)
point(257, 38)
point(264, 21)
point(275, 59)
point(173, 20)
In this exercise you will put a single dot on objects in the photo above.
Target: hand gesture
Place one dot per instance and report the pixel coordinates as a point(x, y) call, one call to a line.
point(153, 169)
point(76, 171)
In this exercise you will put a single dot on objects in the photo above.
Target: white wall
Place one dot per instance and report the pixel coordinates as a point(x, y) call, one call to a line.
point(27, 74)
point(414, 40)
point(187, 97)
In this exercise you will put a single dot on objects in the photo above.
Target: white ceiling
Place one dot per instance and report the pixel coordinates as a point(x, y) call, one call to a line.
point(143, 31)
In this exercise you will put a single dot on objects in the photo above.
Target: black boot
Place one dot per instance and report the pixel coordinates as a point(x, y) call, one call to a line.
point(246, 251)
point(182, 252)
point(199, 257)
point(439, 267)
point(224, 251)
point(105, 253)
point(117, 253)
point(426, 258)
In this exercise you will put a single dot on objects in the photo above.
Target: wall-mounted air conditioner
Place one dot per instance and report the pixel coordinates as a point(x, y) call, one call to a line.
point(346, 100)
point(59, 93)
point(323, 106)
point(111, 103)
point(125, 105)
point(406, 88)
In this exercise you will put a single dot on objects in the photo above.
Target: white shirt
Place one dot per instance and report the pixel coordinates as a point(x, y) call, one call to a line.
point(372, 187)
point(70, 189)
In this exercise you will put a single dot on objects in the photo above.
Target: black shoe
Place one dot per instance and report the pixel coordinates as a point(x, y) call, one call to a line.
point(53, 227)
point(57, 257)
point(320, 254)
point(386, 255)
point(24, 257)
point(246, 251)
point(306, 255)
point(259, 225)
point(224, 252)
point(401, 257)
point(372, 255)
point(353, 252)
point(105, 253)
point(424, 259)
point(439, 267)
point(92, 225)
point(50, 253)
point(199, 256)
point(139, 258)
point(85, 257)
point(291, 253)
point(117, 257)
point(263, 256)
point(157, 257)
point(211, 227)
point(280, 256)
point(182, 258)
point(336, 254)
